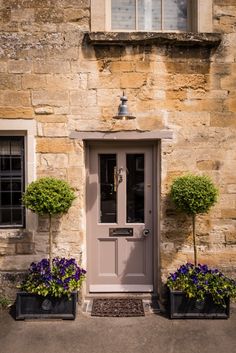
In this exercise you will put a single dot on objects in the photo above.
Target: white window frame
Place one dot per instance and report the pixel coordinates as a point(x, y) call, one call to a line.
point(199, 13)
point(26, 128)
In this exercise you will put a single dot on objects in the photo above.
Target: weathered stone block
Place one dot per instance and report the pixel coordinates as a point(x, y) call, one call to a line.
point(50, 14)
point(55, 129)
point(132, 80)
point(83, 98)
point(7, 249)
point(150, 122)
point(75, 15)
point(54, 145)
point(46, 110)
point(50, 160)
point(231, 188)
point(228, 213)
point(19, 66)
point(108, 81)
point(21, 15)
point(51, 118)
point(24, 248)
point(10, 98)
point(230, 238)
point(63, 82)
point(222, 120)
point(50, 97)
point(108, 97)
point(75, 175)
point(51, 66)
point(3, 66)
point(122, 66)
point(8, 81)
point(5, 14)
point(85, 66)
point(231, 104)
point(31, 81)
point(228, 82)
point(16, 113)
point(208, 165)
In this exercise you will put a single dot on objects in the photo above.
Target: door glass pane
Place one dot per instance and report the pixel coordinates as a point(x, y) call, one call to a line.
point(135, 188)
point(123, 14)
point(108, 208)
point(175, 15)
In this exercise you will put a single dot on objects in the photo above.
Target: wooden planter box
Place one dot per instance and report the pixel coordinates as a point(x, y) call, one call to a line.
point(33, 306)
point(181, 307)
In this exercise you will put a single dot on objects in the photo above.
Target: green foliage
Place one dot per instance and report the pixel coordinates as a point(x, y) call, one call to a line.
point(193, 194)
point(48, 196)
point(4, 302)
point(200, 281)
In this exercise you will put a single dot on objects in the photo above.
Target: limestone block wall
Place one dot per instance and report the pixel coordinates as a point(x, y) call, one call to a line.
point(50, 74)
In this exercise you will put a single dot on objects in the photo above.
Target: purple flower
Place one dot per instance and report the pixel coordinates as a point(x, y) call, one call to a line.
point(56, 281)
point(174, 276)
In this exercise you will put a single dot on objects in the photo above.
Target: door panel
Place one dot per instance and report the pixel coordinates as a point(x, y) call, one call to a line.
point(120, 239)
point(108, 265)
point(135, 249)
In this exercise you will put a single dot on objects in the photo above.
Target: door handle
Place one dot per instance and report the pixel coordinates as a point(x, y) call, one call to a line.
point(146, 232)
point(118, 177)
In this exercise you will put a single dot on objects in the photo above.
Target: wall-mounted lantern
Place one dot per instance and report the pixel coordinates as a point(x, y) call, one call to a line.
point(123, 113)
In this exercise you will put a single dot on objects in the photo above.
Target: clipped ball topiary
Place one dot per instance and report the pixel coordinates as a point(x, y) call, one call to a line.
point(48, 196)
point(194, 194)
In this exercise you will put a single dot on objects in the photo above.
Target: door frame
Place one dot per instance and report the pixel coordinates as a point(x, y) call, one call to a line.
point(156, 156)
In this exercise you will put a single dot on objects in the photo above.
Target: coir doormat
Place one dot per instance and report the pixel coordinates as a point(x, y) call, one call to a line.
point(119, 307)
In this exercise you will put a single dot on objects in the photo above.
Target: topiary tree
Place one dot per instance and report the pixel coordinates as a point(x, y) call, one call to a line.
point(193, 195)
point(48, 196)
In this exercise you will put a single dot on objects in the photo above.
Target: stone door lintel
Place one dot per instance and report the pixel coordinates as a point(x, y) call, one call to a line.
point(122, 135)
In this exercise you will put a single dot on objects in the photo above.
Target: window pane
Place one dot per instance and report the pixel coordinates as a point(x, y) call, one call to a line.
point(4, 147)
point(5, 165)
point(11, 180)
point(175, 15)
point(135, 188)
point(6, 199)
point(5, 216)
point(16, 164)
point(16, 185)
point(123, 14)
point(5, 185)
point(149, 15)
point(16, 198)
point(17, 216)
point(107, 188)
point(16, 147)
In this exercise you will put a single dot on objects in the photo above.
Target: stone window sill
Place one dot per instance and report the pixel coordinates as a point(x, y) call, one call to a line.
point(145, 38)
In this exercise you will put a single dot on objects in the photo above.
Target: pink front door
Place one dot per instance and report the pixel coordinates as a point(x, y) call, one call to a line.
point(120, 221)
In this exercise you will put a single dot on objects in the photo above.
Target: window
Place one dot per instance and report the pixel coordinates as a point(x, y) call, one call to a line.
point(11, 181)
point(149, 15)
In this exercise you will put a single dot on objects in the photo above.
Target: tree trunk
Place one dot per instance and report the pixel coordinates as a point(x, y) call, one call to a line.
point(50, 241)
point(194, 241)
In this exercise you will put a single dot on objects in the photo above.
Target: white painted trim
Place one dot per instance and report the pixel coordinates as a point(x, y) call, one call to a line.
point(106, 288)
point(200, 16)
point(27, 128)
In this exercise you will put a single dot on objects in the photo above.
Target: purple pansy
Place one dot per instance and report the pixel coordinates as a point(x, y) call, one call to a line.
point(63, 278)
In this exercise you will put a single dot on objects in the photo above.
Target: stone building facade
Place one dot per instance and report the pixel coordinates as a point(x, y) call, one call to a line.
point(61, 75)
